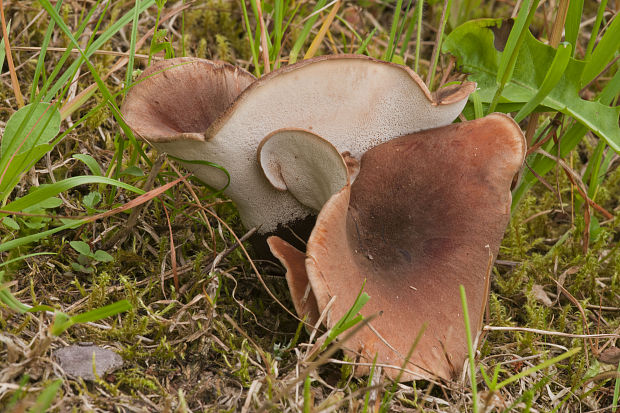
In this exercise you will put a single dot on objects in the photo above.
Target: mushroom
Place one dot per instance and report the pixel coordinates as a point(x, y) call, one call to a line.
point(194, 110)
point(426, 214)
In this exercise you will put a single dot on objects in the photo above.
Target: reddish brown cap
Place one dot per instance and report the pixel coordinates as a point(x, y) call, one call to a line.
point(425, 214)
point(296, 278)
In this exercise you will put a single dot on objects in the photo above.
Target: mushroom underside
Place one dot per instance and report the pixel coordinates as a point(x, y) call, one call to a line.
point(426, 214)
point(182, 97)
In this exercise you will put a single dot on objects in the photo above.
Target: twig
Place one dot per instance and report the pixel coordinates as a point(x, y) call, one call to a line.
point(549, 333)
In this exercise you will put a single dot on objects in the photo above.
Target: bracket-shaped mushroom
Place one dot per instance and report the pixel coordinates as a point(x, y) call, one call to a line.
point(199, 110)
point(426, 214)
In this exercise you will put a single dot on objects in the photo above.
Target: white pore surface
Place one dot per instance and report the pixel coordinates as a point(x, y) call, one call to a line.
point(354, 104)
point(306, 165)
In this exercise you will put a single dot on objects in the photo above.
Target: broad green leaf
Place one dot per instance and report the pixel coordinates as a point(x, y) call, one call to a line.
point(18, 165)
point(10, 222)
point(81, 247)
point(102, 256)
point(32, 125)
point(473, 45)
point(133, 171)
point(92, 199)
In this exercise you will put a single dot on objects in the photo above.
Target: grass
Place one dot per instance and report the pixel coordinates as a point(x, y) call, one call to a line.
point(102, 241)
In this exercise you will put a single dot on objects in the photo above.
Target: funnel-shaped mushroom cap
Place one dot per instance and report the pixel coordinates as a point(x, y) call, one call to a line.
point(425, 214)
point(352, 101)
point(178, 99)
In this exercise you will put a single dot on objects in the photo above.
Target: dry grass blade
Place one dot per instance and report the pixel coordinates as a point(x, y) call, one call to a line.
point(314, 46)
point(9, 59)
point(263, 37)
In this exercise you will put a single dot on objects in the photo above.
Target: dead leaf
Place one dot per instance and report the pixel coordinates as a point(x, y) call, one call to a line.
point(541, 296)
point(610, 355)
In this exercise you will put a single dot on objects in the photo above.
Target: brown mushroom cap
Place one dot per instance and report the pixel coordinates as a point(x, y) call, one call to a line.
point(425, 214)
point(352, 101)
point(296, 278)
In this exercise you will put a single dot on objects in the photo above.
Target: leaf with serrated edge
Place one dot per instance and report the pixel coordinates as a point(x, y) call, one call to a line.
point(473, 45)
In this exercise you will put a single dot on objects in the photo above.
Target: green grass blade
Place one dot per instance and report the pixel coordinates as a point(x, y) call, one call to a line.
point(595, 28)
point(103, 312)
point(594, 168)
point(2, 47)
point(278, 32)
point(404, 22)
point(9, 299)
point(470, 350)
point(611, 90)
point(132, 47)
point(307, 395)
point(604, 52)
point(543, 365)
point(436, 52)
point(573, 20)
point(45, 399)
point(253, 47)
point(616, 397)
point(18, 242)
point(100, 84)
point(478, 109)
point(62, 321)
point(96, 44)
point(409, 32)
point(418, 41)
point(305, 32)
point(67, 53)
point(369, 383)
point(511, 50)
point(23, 257)
point(364, 45)
point(392, 40)
point(41, 61)
point(350, 319)
point(553, 76)
point(47, 191)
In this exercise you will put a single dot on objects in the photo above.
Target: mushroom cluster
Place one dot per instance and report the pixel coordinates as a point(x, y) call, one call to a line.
point(407, 202)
